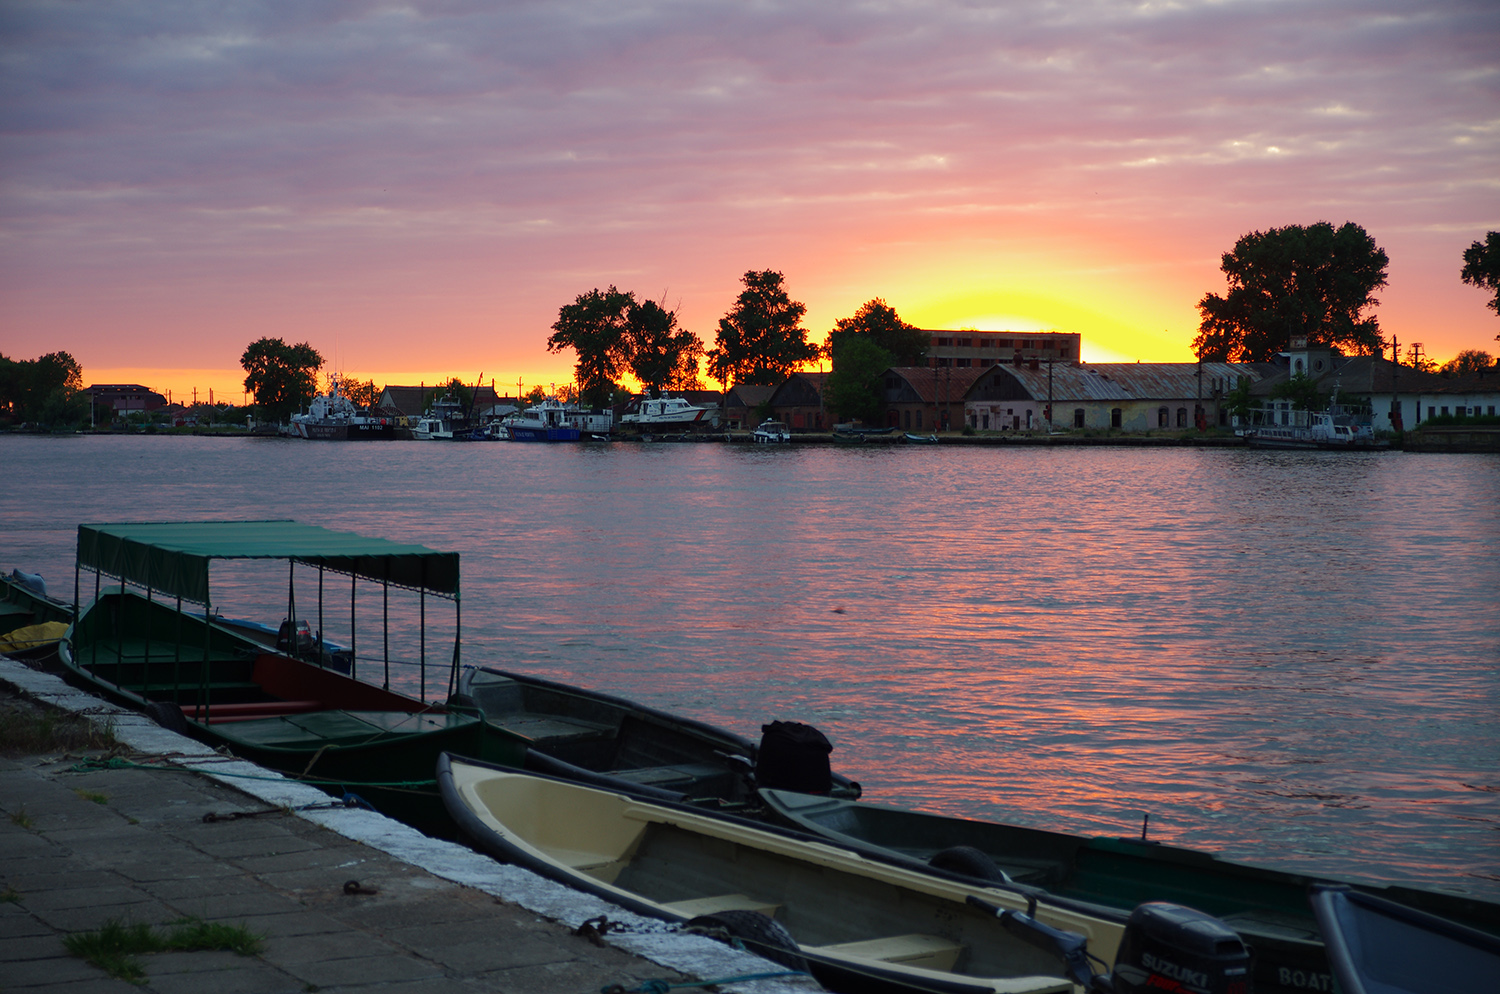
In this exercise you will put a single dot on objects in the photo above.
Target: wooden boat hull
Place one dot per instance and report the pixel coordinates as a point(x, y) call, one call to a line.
point(862, 924)
point(619, 745)
point(1269, 908)
point(224, 689)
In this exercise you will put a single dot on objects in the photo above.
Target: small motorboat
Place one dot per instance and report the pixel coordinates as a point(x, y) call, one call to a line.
point(1110, 875)
point(1377, 946)
point(771, 431)
point(620, 745)
point(859, 924)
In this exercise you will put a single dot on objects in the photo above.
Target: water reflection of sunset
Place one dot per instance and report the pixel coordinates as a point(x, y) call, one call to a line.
point(1289, 658)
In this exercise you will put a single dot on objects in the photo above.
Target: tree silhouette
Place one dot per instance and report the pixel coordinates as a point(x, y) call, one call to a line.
point(761, 340)
point(1313, 282)
point(282, 377)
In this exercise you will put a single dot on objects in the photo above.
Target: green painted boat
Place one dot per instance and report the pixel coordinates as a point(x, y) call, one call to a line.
point(137, 644)
point(1268, 908)
point(619, 745)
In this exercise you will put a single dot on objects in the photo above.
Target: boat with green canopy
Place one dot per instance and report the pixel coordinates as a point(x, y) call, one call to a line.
point(149, 638)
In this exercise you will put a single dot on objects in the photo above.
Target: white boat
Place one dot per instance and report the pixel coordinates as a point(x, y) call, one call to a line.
point(858, 923)
point(333, 417)
point(1323, 431)
point(445, 419)
point(548, 421)
point(771, 431)
point(667, 411)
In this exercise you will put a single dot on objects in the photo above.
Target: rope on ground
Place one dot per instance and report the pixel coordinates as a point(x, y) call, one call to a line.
point(663, 986)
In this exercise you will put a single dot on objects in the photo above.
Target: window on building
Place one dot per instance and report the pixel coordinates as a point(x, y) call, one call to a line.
point(962, 343)
point(945, 341)
point(1116, 417)
point(1445, 410)
point(918, 418)
point(1182, 417)
point(986, 419)
point(1492, 409)
point(1077, 417)
point(907, 418)
point(1430, 413)
point(961, 362)
point(984, 343)
point(1163, 417)
point(1003, 343)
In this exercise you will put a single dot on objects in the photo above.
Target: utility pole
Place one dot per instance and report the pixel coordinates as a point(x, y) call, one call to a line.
point(1049, 395)
point(1414, 353)
point(1395, 414)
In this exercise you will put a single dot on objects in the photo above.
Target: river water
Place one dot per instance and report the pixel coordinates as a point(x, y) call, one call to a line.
point(1287, 658)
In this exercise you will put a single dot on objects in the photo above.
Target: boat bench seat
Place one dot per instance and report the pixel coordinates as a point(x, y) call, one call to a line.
point(693, 907)
point(551, 729)
point(669, 774)
point(915, 949)
point(250, 710)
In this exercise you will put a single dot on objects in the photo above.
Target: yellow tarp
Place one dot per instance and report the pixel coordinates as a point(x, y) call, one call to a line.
point(32, 636)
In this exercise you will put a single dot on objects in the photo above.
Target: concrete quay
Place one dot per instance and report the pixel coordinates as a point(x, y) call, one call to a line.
point(347, 900)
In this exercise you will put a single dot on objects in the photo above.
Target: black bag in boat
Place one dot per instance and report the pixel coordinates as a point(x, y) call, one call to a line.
point(793, 756)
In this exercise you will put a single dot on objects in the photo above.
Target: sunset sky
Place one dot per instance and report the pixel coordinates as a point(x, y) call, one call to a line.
point(416, 188)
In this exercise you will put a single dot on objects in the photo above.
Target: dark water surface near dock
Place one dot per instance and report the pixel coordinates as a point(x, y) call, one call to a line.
point(1288, 658)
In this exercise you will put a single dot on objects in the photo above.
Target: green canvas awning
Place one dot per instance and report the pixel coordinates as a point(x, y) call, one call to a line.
point(173, 556)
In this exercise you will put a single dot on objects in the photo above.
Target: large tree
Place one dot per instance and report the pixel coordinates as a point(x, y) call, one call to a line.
point(855, 389)
point(594, 327)
point(45, 389)
point(877, 322)
point(1314, 282)
point(761, 340)
point(1482, 268)
point(660, 354)
point(282, 377)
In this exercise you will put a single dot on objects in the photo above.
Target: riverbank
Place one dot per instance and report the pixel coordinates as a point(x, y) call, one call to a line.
point(156, 828)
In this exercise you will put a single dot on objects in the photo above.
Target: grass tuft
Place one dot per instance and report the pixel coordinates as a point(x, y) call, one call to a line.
point(29, 729)
point(10, 896)
point(92, 795)
point(20, 818)
point(116, 945)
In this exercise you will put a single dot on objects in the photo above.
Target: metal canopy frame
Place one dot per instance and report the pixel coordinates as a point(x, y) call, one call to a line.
point(172, 558)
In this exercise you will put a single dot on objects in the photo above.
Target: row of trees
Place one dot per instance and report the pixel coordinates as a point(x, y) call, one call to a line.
point(47, 390)
point(760, 340)
point(1316, 282)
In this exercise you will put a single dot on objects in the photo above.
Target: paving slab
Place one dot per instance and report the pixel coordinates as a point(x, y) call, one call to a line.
point(83, 842)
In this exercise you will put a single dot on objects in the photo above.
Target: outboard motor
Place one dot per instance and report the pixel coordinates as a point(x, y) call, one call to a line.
point(1170, 947)
point(794, 756)
point(1166, 947)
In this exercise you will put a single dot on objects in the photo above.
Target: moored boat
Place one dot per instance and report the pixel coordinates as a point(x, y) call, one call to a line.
point(32, 622)
point(136, 644)
point(859, 924)
point(1377, 946)
point(771, 431)
point(334, 417)
point(547, 421)
point(1269, 908)
point(652, 412)
point(619, 745)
